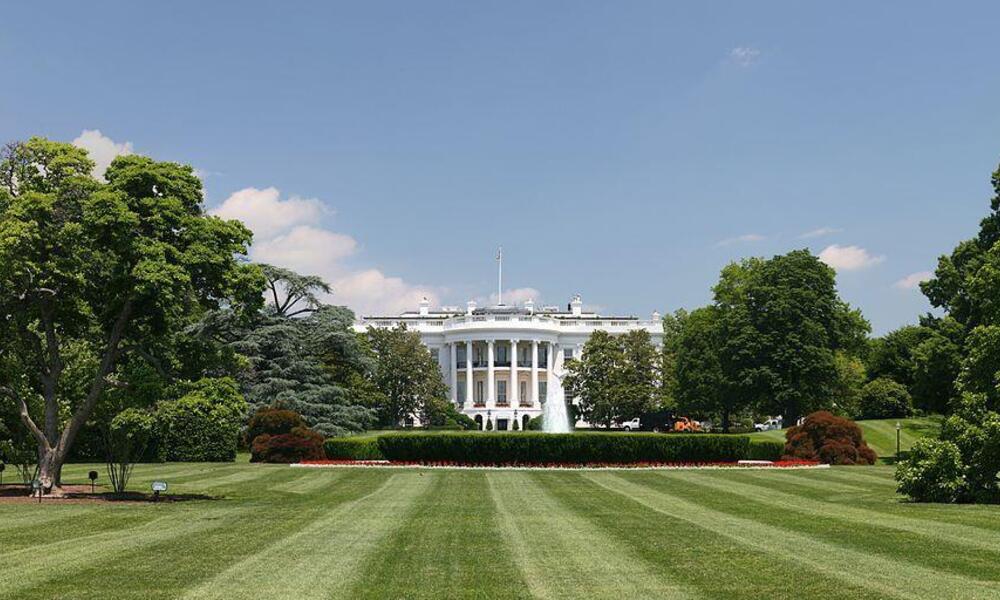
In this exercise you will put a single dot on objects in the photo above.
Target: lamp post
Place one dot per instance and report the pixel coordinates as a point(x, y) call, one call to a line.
point(899, 426)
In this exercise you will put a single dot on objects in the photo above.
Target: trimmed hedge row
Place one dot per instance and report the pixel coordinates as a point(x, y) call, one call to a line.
point(353, 448)
point(571, 448)
point(766, 449)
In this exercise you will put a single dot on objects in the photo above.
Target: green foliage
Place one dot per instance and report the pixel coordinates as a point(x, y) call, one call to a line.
point(272, 421)
point(203, 425)
point(353, 448)
point(573, 448)
point(407, 377)
point(924, 358)
point(125, 440)
point(932, 471)
point(703, 389)
point(847, 388)
point(536, 423)
point(766, 449)
point(616, 379)
point(883, 399)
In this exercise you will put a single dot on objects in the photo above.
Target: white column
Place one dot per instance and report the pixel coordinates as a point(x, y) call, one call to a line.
point(454, 373)
point(514, 392)
point(468, 372)
point(550, 363)
point(534, 373)
point(491, 398)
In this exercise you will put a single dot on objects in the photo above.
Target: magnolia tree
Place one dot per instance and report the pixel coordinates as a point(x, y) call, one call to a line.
point(112, 267)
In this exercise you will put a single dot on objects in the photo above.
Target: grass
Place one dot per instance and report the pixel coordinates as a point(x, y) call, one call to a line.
point(278, 532)
point(881, 433)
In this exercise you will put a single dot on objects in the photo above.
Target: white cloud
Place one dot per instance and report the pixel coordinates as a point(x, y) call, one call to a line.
point(513, 297)
point(742, 239)
point(820, 232)
point(102, 149)
point(287, 234)
point(849, 258)
point(266, 214)
point(913, 280)
point(744, 56)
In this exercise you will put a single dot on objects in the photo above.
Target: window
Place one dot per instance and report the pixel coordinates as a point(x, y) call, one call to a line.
point(479, 392)
point(543, 356)
point(460, 355)
point(502, 392)
point(522, 392)
point(461, 392)
point(501, 353)
point(568, 353)
point(436, 354)
point(543, 390)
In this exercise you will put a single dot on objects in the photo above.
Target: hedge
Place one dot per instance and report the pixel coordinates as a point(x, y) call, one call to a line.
point(766, 449)
point(572, 448)
point(353, 448)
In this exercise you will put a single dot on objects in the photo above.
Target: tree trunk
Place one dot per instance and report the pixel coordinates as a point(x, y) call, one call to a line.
point(725, 421)
point(50, 464)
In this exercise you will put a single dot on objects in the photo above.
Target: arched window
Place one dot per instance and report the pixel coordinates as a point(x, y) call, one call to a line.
point(524, 422)
point(479, 422)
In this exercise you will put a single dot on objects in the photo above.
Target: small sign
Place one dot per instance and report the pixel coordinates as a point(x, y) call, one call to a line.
point(159, 486)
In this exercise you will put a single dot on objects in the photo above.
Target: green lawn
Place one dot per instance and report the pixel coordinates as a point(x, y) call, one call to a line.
point(280, 532)
point(881, 433)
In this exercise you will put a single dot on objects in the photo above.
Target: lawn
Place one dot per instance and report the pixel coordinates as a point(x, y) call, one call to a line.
point(279, 532)
point(881, 433)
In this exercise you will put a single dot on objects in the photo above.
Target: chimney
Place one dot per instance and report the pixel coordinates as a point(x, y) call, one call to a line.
point(576, 306)
point(470, 307)
point(425, 307)
point(529, 305)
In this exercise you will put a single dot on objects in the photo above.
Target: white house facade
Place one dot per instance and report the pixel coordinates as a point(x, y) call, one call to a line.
point(502, 363)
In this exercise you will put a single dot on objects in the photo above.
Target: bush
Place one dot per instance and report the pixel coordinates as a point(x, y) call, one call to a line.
point(203, 425)
point(884, 399)
point(301, 443)
point(273, 421)
point(932, 472)
point(353, 448)
point(535, 424)
point(573, 448)
point(125, 440)
point(830, 439)
point(766, 449)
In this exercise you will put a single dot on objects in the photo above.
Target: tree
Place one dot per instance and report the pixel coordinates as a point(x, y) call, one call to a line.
point(115, 266)
point(883, 399)
point(782, 324)
point(850, 380)
point(594, 381)
point(406, 375)
point(702, 386)
point(125, 440)
point(640, 374)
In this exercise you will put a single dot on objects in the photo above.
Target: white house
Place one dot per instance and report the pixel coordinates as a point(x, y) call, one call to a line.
point(502, 362)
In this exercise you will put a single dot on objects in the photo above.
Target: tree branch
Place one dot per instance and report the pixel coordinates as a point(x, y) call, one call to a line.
point(26, 417)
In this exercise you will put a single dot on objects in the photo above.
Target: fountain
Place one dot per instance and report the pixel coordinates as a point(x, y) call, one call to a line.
point(555, 419)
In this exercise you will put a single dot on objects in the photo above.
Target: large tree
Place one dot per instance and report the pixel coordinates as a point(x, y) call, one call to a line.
point(408, 379)
point(703, 388)
point(113, 266)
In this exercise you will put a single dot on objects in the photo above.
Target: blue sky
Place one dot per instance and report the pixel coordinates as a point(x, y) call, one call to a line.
point(622, 150)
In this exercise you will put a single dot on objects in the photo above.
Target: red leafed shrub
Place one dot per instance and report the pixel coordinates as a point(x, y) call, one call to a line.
point(272, 421)
point(301, 443)
point(829, 439)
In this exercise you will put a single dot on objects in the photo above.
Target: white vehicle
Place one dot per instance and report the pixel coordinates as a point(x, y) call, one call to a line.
point(768, 425)
point(632, 425)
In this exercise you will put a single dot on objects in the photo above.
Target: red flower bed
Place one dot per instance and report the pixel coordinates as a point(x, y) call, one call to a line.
point(640, 465)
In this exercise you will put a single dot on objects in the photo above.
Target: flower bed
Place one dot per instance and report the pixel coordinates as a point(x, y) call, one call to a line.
point(781, 464)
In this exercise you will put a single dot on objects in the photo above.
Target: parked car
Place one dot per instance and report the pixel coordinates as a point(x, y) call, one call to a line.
point(768, 425)
point(632, 425)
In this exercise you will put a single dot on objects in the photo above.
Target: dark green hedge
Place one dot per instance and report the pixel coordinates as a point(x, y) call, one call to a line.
point(766, 449)
point(572, 448)
point(353, 448)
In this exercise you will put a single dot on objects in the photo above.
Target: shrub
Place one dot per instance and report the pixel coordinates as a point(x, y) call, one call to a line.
point(301, 443)
point(830, 439)
point(273, 421)
point(574, 448)
point(203, 425)
point(353, 448)
point(932, 472)
point(766, 449)
point(125, 440)
point(535, 424)
point(884, 399)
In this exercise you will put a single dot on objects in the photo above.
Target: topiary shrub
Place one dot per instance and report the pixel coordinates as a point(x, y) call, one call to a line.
point(830, 439)
point(301, 443)
point(572, 448)
point(353, 448)
point(273, 421)
point(883, 398)
point(932, 472)
point(766, 449)
point(203, 425)
point(535, 423)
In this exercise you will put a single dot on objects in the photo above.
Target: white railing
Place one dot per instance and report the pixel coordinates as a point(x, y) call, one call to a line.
point(463, 321)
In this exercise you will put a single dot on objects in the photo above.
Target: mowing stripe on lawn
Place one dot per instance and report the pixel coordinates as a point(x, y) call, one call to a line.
point(23, 568)
point(883, 575)
point(962, 535)
point(701, 560)
point(810, 480)
point(322, 559)
point(854, 475)
point(27, 516)
point(448, 547)
point(590, 562)
point(233, 479)
point(308, 483)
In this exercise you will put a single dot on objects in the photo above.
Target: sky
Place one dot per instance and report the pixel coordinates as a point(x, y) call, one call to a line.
point(625, 151)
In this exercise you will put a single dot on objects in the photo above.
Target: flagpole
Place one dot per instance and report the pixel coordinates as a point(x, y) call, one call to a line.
point(500, 276)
